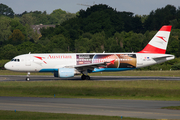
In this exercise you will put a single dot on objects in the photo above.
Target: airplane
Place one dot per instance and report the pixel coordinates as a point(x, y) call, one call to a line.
point(65, 65)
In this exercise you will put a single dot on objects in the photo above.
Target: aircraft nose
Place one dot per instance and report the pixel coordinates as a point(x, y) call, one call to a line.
point(8, 66)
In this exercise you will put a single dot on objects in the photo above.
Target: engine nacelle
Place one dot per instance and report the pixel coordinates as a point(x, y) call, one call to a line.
point(64, 72)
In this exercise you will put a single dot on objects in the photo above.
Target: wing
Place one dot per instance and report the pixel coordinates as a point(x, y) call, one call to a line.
point(91, 66)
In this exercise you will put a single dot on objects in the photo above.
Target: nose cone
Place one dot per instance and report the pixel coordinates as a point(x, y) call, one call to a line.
point(8, 66)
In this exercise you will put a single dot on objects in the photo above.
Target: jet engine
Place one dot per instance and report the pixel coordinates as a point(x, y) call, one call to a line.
point(65, 72)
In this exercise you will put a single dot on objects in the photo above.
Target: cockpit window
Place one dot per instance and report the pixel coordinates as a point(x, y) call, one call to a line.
point(16, 60)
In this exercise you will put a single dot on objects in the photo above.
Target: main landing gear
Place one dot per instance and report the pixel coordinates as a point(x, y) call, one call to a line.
point(85, 77)
point(28, 75)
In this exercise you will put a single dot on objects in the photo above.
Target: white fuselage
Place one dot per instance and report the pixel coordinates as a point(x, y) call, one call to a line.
point(51, 62)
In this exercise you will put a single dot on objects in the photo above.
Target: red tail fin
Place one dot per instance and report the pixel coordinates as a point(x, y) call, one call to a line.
point(158, 43)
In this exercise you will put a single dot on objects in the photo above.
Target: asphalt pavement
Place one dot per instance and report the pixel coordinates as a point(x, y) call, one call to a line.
point(96, 78)
point(108, 107)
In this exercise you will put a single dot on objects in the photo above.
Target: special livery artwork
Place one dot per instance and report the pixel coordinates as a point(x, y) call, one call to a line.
point(84, 59)
point(115, 60)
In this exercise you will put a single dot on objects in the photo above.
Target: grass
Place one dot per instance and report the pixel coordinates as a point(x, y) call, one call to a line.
point(122, 73)
point(172, 107)
point(22, 115)
point(144, 90)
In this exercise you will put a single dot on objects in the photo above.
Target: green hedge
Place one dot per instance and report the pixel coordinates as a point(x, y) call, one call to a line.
point(176, 66)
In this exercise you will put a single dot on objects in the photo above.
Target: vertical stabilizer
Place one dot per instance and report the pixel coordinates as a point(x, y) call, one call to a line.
point(158, 43)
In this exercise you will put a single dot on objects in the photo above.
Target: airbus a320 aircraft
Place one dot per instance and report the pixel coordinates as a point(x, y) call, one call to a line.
point(68, 65)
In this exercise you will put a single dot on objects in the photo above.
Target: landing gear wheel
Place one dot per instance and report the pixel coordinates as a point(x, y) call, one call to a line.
point(87, 77)
point(28, 75)
point(27, 79)
point(83, 77)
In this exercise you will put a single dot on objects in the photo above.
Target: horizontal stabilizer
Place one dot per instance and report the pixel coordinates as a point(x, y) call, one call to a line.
point(166, 57)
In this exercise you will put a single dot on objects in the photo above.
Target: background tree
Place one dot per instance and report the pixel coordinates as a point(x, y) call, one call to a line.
point(84, 43)
point(8, 52)
point(5, 29)
point(5, 10)
point(97, 42)
point(115, 43)
point(28, 46)
point(58, 14)
point(27, 19)
point(160, 17)
point(174, 43)
point(15, 24)
point(57, 43)
point(16, 37)
point(132, 42)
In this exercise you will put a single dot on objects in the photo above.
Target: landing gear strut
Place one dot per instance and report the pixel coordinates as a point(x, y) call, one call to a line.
point(28, 75)
point(85, 77)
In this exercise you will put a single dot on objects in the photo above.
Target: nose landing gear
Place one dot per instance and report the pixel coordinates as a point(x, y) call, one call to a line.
point(28, 75)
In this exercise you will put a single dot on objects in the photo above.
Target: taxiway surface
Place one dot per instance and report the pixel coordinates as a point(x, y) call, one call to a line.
point(126, 108)
point(99, 78)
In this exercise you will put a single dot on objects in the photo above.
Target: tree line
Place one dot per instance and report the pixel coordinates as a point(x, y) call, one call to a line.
point(98, 28)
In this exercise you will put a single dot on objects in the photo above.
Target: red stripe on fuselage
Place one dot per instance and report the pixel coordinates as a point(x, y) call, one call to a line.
point(151, 49)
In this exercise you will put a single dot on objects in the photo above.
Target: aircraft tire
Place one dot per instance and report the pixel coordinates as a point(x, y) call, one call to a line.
point(27, 79)
point(87, 77)
point(83, 77)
